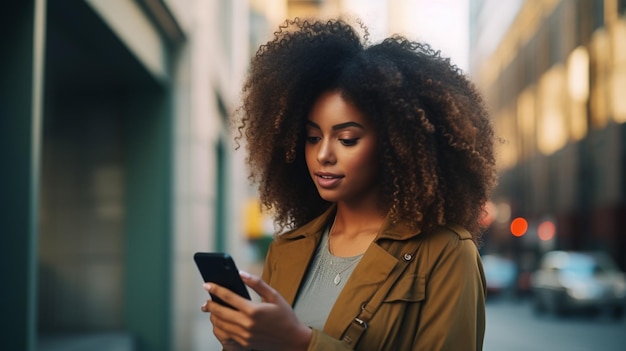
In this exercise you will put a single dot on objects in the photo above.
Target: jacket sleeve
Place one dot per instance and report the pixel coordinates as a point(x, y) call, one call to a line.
point(453, 314)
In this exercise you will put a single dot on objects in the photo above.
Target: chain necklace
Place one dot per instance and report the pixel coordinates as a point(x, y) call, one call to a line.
point(337, 279)
point(340, 270)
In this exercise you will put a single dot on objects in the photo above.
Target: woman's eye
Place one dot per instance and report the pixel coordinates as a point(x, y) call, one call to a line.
point(348, 142)
point(312, 139)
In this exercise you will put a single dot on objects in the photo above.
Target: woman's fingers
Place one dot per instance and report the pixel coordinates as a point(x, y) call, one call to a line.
point(267, 293)
point(228, 322)
point(225, 338)
point(237, 302)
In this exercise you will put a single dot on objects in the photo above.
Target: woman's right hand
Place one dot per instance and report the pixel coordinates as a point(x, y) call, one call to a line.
point(269, 325)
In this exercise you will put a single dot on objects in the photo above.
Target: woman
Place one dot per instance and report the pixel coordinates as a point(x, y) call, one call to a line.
point(378, 160)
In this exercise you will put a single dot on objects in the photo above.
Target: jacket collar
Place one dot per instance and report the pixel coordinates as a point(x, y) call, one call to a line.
point(388, 230)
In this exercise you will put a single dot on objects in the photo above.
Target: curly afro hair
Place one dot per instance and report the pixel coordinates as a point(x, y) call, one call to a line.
point(435, 136)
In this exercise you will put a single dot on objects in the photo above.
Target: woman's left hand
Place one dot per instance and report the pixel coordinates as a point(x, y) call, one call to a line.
point(268, 325)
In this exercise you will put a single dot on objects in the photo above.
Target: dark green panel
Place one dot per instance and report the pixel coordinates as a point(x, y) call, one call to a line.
point(20, 123)
point(221, 199)
point(148, 220)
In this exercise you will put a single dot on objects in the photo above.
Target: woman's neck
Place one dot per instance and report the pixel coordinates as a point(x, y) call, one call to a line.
point(354, 229)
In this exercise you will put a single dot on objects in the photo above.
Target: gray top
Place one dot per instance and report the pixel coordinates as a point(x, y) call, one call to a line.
point(326, 277)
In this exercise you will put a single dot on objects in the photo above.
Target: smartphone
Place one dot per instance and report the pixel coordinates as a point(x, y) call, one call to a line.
point(218, 267)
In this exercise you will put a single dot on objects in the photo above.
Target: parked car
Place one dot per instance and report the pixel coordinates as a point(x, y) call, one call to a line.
point(568, 281)
point(500, 274)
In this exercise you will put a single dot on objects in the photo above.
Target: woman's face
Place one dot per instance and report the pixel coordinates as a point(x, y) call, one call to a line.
point(341, 151)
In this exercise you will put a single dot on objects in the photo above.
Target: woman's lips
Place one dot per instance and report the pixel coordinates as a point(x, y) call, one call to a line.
point(327, 180)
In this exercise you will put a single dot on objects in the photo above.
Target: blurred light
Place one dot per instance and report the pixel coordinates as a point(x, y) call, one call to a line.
point(552, 124)
point(519, 226)
point(546, 230)
point(578, 89)
point(578, 74)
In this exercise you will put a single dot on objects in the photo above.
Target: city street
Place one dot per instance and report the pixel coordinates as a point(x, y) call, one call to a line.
point(512, 326)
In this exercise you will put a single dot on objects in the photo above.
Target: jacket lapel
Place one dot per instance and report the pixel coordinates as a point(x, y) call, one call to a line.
point(298, 254)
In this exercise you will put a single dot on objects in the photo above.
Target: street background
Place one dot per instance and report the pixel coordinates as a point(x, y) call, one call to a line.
point(119, 161)
point(512, 326)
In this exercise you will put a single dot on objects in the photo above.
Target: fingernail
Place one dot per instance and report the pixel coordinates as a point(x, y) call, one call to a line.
point(244, 274)
point(207, 286)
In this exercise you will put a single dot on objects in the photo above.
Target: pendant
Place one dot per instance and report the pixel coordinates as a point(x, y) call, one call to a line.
point(337, 279)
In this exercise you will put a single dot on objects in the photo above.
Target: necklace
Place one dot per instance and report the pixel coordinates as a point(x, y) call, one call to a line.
point(339, 270)
point(337, 279)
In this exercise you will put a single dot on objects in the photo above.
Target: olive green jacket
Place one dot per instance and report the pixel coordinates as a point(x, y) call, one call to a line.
point(437, 303)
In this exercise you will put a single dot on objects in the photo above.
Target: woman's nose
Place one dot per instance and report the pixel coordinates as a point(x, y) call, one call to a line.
point(325, 154)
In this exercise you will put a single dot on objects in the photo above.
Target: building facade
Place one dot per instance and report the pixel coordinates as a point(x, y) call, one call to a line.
point(118, 164)
point(554, 80)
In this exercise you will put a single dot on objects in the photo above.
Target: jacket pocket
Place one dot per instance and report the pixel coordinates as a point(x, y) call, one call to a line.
point(408, 288)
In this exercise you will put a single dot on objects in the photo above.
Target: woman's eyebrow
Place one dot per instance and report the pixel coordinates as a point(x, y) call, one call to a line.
point(346, 125)
point(337, 126)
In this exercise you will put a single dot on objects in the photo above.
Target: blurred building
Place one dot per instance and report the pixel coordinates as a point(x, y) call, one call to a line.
point(118, 163)
point(554, 76)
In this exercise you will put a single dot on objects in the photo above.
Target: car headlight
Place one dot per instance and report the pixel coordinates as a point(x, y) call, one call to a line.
point(579, 293)
point(584, 291)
